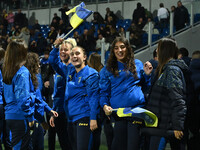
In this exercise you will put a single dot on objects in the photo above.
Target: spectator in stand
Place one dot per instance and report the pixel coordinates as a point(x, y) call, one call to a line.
point(55, 24)
point(110, 22)
point(154, 61)
point(173, 8)
point(146, 27)
point(86, 42)
point(97, 18)
point(110, 13)
point(10, 19)
point(64, 17)
point(99, 42)
point(4, 15)
point(76, 36)
point(135, 35)
point(139, 12)
point(55, 21)
point(41, 44)
point(19, 18)
point(51, 35)
point(24, 35)
point(16, 4)
point(184, 52)
point(163, 16)
point(37, 26)
point(3, 37)
point(62, 29)
point(141, 23)
point(102, 31)
point(3, 30)
point(111, 34)
point(194, 109)
point(181, 16)
point(56, 17)
point(121, 32)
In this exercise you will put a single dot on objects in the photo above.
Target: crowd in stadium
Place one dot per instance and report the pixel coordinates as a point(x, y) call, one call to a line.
point(58, 85)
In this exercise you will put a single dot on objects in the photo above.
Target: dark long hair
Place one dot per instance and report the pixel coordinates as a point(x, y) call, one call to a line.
point(32, 64)
point(14, 57)
point(112, 64)
point(167, 49)
point(94, 61)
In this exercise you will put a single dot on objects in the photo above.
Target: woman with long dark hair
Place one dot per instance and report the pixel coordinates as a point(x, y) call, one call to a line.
point(167, 98)
point(121, 83)
point(19, 95)
point(32, 64)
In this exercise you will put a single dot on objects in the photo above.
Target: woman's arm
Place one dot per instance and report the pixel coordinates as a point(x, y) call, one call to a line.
point(24, 95)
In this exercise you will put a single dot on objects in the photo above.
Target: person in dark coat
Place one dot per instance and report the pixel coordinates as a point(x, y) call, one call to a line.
point(194, 106)
point(181, 16)
point(139, 12)
point(19, 18)
point(185, 56)
point(64, 17)
point(167, 98)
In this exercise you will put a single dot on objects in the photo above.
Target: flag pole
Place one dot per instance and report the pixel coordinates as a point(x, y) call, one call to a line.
point(68, 33)
point(114, 109)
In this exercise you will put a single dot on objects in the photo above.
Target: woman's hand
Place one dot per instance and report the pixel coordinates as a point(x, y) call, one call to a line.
point(178, 134)
point(51, 121)
point(93, 125)
point(107, 109)
point(58, 42)
point(148, 68)
point(54, 113)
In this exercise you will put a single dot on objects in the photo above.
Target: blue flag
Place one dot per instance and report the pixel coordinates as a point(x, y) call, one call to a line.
point(80, 14)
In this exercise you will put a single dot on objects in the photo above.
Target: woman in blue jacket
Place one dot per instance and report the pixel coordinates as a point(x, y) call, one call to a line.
point(81, 96)
point(19, 95)
point(32, 64)
point(121, 83)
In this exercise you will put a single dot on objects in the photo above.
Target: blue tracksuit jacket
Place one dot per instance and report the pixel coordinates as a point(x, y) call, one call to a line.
point(40, 104)
point(123, 90)
point(81, 92)
point(20, 96)
point(59, 93)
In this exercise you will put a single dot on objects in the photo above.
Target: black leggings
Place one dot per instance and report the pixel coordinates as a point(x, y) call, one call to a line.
point(126, 135)
point(20, 134)
point(81, 137)
point(175, 144)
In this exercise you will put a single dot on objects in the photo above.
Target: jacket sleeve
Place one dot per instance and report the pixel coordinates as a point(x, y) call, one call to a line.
point(56, 63)
point(24, 95)
point(105, 87)
point(145, 80)
point(176, 89)
point(92, 87)
point(40, 107)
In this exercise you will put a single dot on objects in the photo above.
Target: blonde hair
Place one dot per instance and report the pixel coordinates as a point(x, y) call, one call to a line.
point(71, 41)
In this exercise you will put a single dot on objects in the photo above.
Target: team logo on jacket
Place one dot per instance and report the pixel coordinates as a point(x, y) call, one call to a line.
point(79, 79)
point(70, 78)
point(83, 124)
